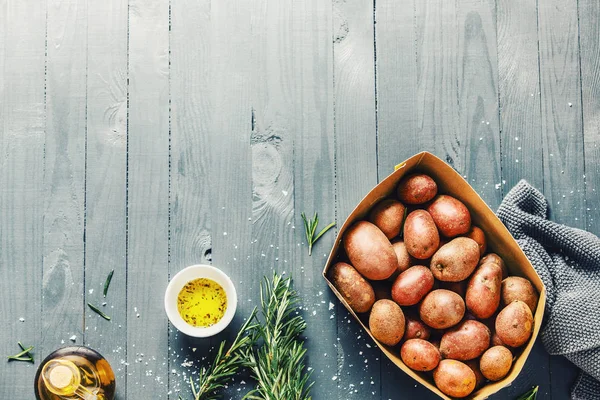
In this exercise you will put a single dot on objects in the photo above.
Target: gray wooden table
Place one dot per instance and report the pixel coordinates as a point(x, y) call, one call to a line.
point(144, 136)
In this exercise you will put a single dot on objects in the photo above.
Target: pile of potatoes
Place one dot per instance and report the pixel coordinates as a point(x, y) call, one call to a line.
point(419, 271)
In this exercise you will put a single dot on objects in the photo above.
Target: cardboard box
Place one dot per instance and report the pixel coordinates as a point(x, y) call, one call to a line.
point(500, 241)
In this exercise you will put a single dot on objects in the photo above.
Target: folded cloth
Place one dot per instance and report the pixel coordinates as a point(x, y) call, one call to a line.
point(568, 262)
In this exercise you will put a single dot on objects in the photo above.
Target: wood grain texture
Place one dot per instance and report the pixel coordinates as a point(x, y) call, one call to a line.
point(22, 125)
point(521, 135)
point(63, 310)
point(589, 41)
point(479, 133)
point(562, 140)
point(356, 172)
point(519, 90)
point(561, 111)
point(230, 157)
point(396, 72)
point(106, 155)
point(148, 199)
point(397, 136)
point(190, 217)
point(436, 34)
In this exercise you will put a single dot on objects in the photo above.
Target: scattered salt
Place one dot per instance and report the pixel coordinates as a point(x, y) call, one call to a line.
point(73, 338)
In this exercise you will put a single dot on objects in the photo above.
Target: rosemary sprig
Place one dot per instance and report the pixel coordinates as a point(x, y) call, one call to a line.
point(531, 395)
point(310, 227)
point(107, 282)
point(225, 364)
point(278, 363)
point(97, 311)
point(24, 355)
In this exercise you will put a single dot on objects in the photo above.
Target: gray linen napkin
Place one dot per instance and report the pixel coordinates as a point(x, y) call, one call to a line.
point(568, 262)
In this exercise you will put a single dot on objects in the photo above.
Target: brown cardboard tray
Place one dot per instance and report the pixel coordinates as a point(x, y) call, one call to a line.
point(500, 241)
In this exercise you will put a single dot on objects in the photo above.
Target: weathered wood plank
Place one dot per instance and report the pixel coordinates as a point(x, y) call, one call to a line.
point(356, 172)
point(436, 34)
point(479, 134)
point(521, 135)
point(519, 89)
point(589, 15)
point(148, 199)
point(22, 125)
point(230, 172)
point(562, 141)
point(396, 72)
point(105, 226)
point(63, 310)
point(191, 114)
point(397, 136)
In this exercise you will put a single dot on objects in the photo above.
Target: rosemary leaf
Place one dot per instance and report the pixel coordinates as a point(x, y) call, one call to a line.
point(531, 395)
point(107, 282)
point(310, 227)
point(28, 359)
point(97, 311)
point(24, 355)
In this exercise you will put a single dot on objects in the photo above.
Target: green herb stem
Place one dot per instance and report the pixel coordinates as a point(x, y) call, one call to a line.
point(97, 311)
point(310, 227)
point(531, 395)
point(107, 282)
point(24, 355)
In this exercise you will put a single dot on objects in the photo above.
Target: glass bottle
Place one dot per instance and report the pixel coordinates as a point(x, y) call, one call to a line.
point(73, 373)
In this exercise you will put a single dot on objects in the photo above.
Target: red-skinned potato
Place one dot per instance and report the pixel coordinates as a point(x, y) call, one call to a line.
point(483, 291)
point(421, 237)
point(416, 329)
point(412, 285)
point(405, 261)
point(514, 324)
point(496, 341)
point(495, 258)
point(416, 189)
point(420, 355)
point(466, 341)
point(478, 235)
point(441, 309)
point(357, 292)
point(388, 216)
point(450, 215)
point(454, 378)
point(517, 288)
point(387, 322)
point(370, 251)
point(495, 363)
point(456, 260)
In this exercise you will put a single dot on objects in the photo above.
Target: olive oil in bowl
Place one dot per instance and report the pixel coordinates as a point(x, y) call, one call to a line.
point(202, 302)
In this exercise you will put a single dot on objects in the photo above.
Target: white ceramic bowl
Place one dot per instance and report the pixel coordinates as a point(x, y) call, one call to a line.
point(189, 274)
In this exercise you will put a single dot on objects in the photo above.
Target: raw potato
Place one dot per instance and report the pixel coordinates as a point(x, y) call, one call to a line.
point(496, 341)
point(454, 378)
point(478, 235)
point(357, 292)
point(483, 291)
point(466, 341)
point(495, 258)
point(441, 309)
point(386, 322)
point(412, 285)
point(388, 216)
point(417, 189)
point(514, 324)
point(479, 378)
point(404, 259)
point(456, 260)
point(517, 288)
point(416, 329)
point(421, 237)
point(420, 355)
point(495, 363)
point(450, 215)
point(369, 251)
